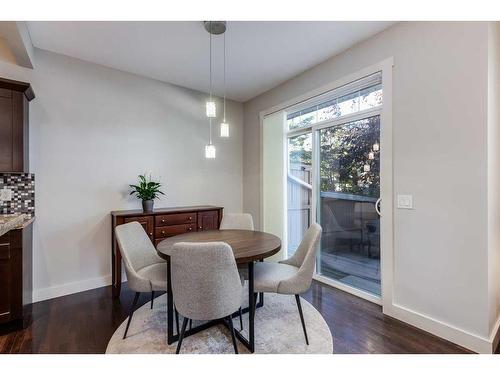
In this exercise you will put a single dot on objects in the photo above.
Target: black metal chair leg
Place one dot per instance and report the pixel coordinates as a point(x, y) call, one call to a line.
point(297, 298)
point(132, 309)
point(190, 324)
point(152, 298)
point(176, 320)
point(181, 335)
point(241, 319)
point(231, 328)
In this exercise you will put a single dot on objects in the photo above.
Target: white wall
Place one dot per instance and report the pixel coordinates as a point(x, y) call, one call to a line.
point(92, 131)
point(439, 155)
point(494, 177)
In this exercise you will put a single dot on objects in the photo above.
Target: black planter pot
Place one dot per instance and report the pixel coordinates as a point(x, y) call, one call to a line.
point(147, 206)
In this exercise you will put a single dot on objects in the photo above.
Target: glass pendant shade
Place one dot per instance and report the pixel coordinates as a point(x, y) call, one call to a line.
point(210, 151)
point(224, 129)
point(211, 109)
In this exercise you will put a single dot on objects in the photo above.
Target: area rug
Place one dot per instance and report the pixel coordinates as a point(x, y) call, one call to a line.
point(277, 331)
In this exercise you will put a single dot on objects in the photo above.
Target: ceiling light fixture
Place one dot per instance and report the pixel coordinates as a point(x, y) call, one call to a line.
point(224, 126)
point(211, 108)
point(214, 28)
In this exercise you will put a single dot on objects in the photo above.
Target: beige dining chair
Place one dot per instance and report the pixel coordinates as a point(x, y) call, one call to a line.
point(237, 221)
point(145, 270)
point(205, 283)
point(293, 275)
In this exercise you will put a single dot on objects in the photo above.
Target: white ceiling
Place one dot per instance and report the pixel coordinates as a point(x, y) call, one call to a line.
point(260, 55)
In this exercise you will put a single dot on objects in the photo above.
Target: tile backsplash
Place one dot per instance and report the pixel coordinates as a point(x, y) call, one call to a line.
point(23, 193)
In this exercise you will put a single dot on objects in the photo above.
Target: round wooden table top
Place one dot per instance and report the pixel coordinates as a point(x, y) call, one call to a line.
point(247, 245)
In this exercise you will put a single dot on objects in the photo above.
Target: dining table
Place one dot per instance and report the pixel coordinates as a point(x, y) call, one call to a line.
point(248, 247)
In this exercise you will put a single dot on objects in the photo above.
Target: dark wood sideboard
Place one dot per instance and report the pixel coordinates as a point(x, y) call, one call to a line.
point(160, 224)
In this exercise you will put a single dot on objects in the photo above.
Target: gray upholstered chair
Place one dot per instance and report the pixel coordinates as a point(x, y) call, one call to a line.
point(293, 275)
point(237, 221)
point(205, 283)
point(146, 271)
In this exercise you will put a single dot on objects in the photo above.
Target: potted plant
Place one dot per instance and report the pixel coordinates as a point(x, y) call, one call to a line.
point(147, 191)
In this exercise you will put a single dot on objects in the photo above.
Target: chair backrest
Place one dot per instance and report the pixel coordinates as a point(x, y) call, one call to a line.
point(135, 246)
point(205, 280)
point(237, 221)
point(305, 259)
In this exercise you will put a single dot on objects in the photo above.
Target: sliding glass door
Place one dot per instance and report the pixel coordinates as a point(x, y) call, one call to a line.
point(349, 190)
point(333, 178)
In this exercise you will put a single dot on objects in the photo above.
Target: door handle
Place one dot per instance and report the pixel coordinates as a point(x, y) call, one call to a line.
point(377, 206)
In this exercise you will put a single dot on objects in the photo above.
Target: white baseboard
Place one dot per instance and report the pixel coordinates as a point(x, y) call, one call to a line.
point(444, 330)
point(495, 335)
point(70, 288)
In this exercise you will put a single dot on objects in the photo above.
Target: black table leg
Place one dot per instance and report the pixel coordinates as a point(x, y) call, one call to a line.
point(170, 307)
point(251, 315)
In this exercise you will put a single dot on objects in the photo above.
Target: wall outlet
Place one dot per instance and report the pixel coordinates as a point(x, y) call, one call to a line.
point(5, 195)
point(405, 201)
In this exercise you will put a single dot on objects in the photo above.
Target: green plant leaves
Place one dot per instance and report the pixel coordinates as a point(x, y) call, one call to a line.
point(146, 190)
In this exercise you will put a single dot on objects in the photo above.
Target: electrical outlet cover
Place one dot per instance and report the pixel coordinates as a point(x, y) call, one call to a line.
point(405, 201)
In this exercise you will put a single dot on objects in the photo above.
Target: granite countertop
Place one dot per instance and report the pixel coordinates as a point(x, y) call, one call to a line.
point(14, 221)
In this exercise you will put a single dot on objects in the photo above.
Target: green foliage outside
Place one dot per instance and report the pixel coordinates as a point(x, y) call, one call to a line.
point(344, 153)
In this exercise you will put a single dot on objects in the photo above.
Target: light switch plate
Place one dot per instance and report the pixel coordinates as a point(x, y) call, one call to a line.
point(5, 195)
point(405, 201)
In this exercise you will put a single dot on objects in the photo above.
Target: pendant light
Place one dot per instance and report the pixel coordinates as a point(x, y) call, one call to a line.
point(211, 108)
point(224, 126)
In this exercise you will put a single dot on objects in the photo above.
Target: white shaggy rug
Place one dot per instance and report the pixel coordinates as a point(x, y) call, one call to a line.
point(277, 331)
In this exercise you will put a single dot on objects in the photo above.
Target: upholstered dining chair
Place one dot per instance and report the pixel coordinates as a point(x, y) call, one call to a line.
point(293, 275)
point(146, 271)
point(242, 222)
point(205, 283)
point(237, 221)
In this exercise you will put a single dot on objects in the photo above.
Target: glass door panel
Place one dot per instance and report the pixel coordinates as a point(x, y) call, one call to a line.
point(349, 173)
point(299, 189)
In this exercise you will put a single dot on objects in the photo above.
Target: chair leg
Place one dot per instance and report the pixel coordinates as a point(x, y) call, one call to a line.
point(152, 298)
point(181, 335)
point(190, 324)
point(241, 319)
point(132, 309)
point(176, 319)
point(297, 298)
point(233, 338)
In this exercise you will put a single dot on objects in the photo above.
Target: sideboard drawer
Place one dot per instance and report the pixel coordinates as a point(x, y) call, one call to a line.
point(173, 230)
point(174, 219)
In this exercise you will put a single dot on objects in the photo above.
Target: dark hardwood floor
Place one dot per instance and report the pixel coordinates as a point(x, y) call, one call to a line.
point(84, 322)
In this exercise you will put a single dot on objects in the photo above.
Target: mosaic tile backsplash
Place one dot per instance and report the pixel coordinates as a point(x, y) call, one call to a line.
point(23, 193)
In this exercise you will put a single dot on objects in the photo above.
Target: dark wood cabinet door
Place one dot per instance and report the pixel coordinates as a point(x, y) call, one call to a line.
point(147, 223)
point(6, 134)
point(208, 220)
point(5, 279)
